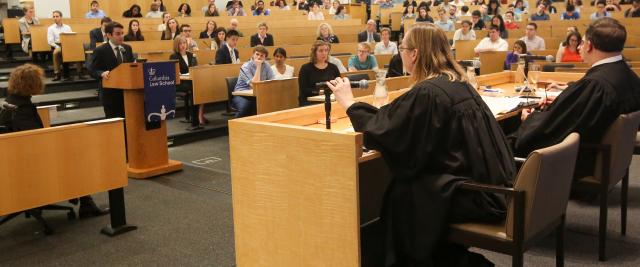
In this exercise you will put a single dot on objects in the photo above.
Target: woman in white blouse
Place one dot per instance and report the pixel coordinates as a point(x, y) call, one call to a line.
point(165, 17)
point(314, 12)
point(281, 70)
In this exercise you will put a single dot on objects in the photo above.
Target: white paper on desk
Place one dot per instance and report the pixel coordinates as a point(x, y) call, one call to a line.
point(501, 105)
point(548, 93)
point(184, 75)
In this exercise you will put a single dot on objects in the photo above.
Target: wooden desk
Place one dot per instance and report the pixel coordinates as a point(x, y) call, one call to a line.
point(209, 84)
point(73, 46)
point(11, 31)
point(274, 95)
point(45, 113)
point(39, 39)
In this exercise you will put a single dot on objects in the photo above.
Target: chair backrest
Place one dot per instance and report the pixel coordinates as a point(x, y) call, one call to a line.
point(546, 178)
point(231, 83)
point(621, 136)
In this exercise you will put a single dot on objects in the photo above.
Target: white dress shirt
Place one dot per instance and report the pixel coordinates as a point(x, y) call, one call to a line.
point(607, 60)
point(288, 72)
point(53, 33)
point(487, 45)
point(381, 49)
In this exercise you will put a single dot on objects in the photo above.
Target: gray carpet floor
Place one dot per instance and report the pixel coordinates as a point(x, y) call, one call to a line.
point(185, 219)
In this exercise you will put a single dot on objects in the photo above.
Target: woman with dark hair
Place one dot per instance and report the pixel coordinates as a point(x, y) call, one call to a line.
point(133, 12)
point(184, 10)
point(134, 33)
point(569, 52)
point(318, 69)
point(341, 13)
point(161, 5)
point(218, 38)
point(519, 48)
point(212, 11)
point(172, 30)
point(409, 12)
point(210, 30)
point(499, 22)
point(423, 15)
point(493, 8)
point(465, 144)
point(280, 69)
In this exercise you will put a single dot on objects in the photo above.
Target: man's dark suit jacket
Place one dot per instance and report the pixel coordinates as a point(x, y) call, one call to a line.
point(224, 57)
point(95, 38)
point(362, 37)
point(104, 59)
point(268, 41)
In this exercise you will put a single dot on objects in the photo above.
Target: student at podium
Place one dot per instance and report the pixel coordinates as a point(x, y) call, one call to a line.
point(106, 58)
point(434, 137)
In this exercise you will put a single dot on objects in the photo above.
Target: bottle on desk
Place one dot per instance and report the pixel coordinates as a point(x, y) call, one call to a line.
point(380, 94)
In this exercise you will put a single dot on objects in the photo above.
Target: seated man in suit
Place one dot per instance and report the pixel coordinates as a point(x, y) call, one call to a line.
point(262, 37)
point(255, 70)
point(588, 106)
point(106, 58)
point(97, 35)
point(370, 35)
point(228, 53)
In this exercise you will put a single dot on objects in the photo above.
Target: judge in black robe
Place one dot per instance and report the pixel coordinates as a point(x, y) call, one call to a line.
point(435, 136)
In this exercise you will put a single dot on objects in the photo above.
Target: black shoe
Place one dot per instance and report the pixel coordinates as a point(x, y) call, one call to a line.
point(194, 128)
point(88, 208)
point(68, 79)
point(57, 77)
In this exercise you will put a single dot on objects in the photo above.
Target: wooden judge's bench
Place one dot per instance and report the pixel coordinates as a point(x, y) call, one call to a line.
point(304, 195)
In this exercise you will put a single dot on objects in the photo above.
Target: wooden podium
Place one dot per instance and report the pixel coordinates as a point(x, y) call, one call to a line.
point(146, 149)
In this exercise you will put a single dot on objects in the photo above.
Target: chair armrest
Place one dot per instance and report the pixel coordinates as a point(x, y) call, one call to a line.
point(488, 188)
point(519, 160)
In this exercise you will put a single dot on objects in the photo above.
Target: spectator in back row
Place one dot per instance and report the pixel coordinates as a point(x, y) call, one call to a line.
point(262, 37)
point(233, 25)
point(363, 60)
point(341, 13)
point(95, 12)
point(325, 33)
point(369, 35)
point(172, 29)
point(209, 31)
point(385, 47)
point(236, 10)
point(154, 11)
point(25, 24)
point(541, 13)
point(255, 70)
point(53, 39)
point(314, 12)
point(185, 32)
point(570, 13)
point(212, 11)
point(534, 42)
point(600, 11)
point(133, 12)
point(261, 10)
point(478, 23)
point(134, 33)
point(207, 7)
point(184, 10)
point(282, 5)
point(464, 33)
point(634, 11)
point(492, 43)
point(165, 17)
point(509, 21)
point(497, 21)
point(423, 15)
point(444, 22)
point(97, 35)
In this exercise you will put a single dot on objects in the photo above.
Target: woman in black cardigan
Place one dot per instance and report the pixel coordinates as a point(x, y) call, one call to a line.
point(185, 60)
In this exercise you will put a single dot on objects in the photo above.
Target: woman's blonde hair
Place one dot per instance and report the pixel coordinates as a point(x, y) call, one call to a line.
point(176, 43)
point(365, 45)
point(434, 56)
point(324, 24)
point(26, 80)
point(314, 49)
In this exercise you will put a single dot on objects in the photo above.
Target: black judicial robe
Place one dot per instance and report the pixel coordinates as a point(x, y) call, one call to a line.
point(435, 136)
point(588, 106)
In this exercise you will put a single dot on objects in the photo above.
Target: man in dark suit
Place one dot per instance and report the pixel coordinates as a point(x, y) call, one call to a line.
point(96, 36)
point(105, 58)
point(228, 53)
point(369, 35)
point(262, 37)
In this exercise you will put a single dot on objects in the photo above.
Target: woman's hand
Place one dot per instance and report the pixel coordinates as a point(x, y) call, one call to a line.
point(341, 88)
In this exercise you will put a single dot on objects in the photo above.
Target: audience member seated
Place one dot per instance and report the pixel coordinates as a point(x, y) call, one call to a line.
point(280, 69)
point(600, 11)
point(172, 29)
point(97, 36)
point(218, 38)
point(210, 30)
point(464, 33)
point(443, 22)
point(384, 3)
point(25, 24)
point(498, 22)
point(334, 7)
point(634, 11)
point(185, 60)
point(534, 42)
point(570, 13)
point(519, 48)
point(493, 8)
point(228, 53)
point(576, 3)
point(134, 33)
point(166, 16)
point(185, 32)
point(255, 70)
point(464, 12)
point(53, 39)
point(160, 4)
point(262, 37)
point(395, 67)
point(282, 5)
point(341, 13)
point(233, 25)
point(25, 81)
point(154, 11)
point(261, 10)
point(409, 3)
point(95, 12)
point(588, 106)
point(520, 7)
point(212, 11)
point(318, 69)
point(369, 35)
point(612, 6)
point(569, 52)
point(303, 5)
point(325, 33)
point(314, 12)
point(509, 21)
point(236, 10)
point(230, 3)
point(423, 15)
point(514, 17)
point(452, 13)
point(478, 23)
point(409, 13)
point(135, 11)
point(363, 60)
point(492, 43)
point(385, 46)
point(184, 10)
point(541, 13)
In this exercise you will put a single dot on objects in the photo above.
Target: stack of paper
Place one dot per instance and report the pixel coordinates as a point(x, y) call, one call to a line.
point(501, 105)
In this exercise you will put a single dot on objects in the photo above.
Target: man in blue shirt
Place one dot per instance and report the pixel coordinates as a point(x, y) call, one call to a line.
point(570, 13)
point(95, 12)
point(254, 70)
point(541, 14)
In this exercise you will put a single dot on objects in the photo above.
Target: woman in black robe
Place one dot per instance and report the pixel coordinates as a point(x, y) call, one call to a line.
point(435, 136)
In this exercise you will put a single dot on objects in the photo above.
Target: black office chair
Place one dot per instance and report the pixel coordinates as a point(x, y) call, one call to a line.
point(37, 214)
point(231, 84)
point(358, 77)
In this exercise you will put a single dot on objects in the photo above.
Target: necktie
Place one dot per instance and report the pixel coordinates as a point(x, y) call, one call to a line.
point(233, 55)
point(370, 40)
point(118, 55)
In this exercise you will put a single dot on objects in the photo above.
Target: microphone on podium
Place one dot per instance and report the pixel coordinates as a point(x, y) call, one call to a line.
point(362, 84)
point(548, 58)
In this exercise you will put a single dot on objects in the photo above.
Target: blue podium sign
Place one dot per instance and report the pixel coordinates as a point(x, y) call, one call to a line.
point(159, 91)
